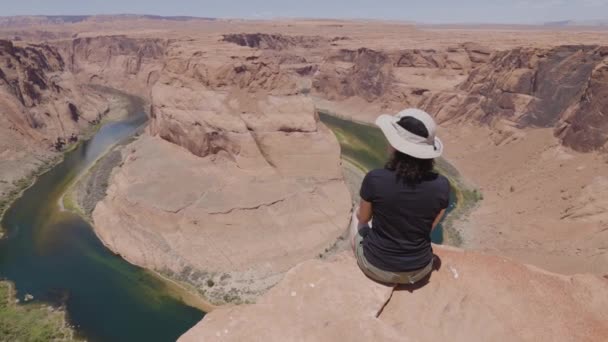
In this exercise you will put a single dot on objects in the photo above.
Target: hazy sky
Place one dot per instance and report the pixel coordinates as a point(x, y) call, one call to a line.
point(434, 11)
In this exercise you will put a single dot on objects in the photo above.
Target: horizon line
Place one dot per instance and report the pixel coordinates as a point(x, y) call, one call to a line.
point(563, 22)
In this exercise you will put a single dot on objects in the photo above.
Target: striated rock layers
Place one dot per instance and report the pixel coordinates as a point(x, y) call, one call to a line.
point(564, 87)
point(47, 99)
point(128, 64)
point(43, 87)
point(235, 182)
point(277, 41)
point(473, 297)
point(40, 100)
point(394, 78)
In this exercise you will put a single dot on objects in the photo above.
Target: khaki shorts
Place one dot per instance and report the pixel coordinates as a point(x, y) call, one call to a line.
point(382, 276)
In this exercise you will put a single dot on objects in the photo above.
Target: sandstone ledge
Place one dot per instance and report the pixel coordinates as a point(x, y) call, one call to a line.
point(471, 297)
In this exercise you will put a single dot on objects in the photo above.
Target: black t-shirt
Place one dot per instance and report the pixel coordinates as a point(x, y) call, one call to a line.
point(403, 216)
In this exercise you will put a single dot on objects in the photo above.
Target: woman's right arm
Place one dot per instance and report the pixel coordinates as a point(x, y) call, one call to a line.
point(438, 219)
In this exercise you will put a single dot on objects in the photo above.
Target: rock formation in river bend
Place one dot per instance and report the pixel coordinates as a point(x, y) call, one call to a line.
point(236, 182)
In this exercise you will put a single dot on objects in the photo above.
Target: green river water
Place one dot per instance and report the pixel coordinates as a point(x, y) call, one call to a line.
point(55, 256)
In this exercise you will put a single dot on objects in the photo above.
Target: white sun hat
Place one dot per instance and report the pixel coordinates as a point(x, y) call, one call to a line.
point(407, 142)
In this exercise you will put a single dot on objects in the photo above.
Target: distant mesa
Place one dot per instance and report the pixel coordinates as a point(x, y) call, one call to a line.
point(566, 23)
point(23, 21)
point(558, 23)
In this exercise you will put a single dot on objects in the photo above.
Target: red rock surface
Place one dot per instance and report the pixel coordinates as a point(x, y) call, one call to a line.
point(473, 297)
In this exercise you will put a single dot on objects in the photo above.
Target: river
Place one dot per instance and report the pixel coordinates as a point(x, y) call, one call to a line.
point(55, 256)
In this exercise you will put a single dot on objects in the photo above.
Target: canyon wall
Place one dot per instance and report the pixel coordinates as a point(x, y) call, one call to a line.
point(563, 87)
point(51, 95)
point(42, 108)
point(131, 65)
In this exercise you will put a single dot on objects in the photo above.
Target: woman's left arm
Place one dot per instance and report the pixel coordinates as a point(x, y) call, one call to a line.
point(364, 215)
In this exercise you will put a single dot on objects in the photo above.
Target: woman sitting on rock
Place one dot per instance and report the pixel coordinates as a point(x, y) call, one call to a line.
point(405, 201)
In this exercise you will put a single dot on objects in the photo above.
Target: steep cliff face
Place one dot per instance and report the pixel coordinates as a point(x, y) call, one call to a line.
point(462, 57)
point(31, 84)
point(562, 87)
point(235, 161)
point(390, 80)
point(278, 41)
point(50, 94)
point(370, 76)
point(472, 297)
point(34, 63)
point(584, 127)
point(42, 107)
point(129, 64)
point(44, 87)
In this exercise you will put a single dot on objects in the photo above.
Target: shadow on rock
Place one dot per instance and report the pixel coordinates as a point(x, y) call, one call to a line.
point(413, 287)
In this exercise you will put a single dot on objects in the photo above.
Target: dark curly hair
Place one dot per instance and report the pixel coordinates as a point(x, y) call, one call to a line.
point(411, 170)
